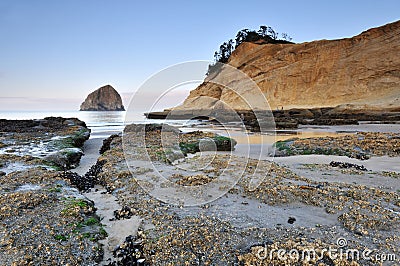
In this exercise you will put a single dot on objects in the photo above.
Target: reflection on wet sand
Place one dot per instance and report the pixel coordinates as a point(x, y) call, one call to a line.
point(260, 146)
point(244, 137)
point(269, 139)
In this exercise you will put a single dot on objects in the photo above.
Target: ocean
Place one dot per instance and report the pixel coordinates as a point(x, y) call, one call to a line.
point(102, 124)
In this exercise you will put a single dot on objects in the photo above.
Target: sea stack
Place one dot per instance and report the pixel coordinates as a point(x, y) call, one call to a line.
point(105, 98)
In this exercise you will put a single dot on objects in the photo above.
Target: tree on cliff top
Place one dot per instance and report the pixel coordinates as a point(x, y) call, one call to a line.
point(264, 35)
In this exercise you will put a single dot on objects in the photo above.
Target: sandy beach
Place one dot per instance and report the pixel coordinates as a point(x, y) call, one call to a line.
point(135, 205)
point(327, 203)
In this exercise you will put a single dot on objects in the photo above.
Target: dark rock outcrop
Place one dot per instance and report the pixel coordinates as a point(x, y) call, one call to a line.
point(290, 119)
point(48, 124)
point(105, 98)
point(61, 140)
point(107, 143)
point(87, 181)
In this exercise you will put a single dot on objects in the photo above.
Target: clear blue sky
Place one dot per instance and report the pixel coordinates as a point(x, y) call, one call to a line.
point(65, 49)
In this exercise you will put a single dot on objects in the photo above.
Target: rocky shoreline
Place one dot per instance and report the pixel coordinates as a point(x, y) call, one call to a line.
point(231, 230)
point(46, 219)
point(362, 145)
point(54, 142)
point(291, 118)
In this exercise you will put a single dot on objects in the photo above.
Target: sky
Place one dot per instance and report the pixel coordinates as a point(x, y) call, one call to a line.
point(53, 53)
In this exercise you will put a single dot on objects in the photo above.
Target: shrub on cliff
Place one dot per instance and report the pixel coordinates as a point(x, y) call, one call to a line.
point(264, 35)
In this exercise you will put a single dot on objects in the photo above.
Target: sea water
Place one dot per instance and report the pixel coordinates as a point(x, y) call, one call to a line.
point(101, 124)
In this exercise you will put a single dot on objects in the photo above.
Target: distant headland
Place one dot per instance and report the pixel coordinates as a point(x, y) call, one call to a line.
point(354, 78)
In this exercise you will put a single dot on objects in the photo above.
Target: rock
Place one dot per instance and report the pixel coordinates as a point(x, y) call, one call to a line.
point(252, 125)
point(332, 122)
point(88, 180)
point(65, 158)
point(151, 127)
point(287, 123)
point(129, 253)
point(105, 98)
point(124, 213)
point(48, 124)
point(2, 173)
point(207, 144)
point(174, 154)
point(157, 115)
point(107, 143)
point(362, 71)
point(224, 143)
point(347, 165)
point(216, 143)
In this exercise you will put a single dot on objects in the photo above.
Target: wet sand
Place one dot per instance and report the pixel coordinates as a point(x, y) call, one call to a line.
point(300, 199)
point(106, 204)
point(325, 203)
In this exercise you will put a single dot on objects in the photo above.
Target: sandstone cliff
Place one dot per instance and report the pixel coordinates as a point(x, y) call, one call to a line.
point(358, 72)
point(105, 98)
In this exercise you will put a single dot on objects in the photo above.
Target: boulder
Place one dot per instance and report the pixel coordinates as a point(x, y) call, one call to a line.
point(67, 158)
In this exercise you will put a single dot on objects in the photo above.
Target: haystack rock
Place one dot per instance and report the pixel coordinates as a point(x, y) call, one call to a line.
point(105, 98)
point(362, 72)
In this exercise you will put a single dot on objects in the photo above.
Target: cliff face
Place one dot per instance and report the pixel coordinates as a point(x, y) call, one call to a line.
point(105, 98)
point(362, 72)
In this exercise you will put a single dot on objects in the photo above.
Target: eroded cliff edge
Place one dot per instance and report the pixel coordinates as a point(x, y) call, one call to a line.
point(358, 73)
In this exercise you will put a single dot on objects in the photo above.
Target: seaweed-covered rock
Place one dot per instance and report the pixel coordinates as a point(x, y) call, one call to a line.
point(66, 158)
point(216, 143)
